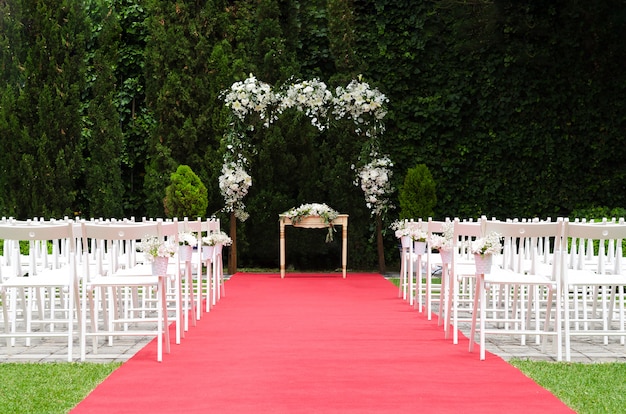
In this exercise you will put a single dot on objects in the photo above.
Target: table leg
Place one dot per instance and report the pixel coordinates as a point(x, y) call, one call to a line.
point(282, 249)
point(344, 250)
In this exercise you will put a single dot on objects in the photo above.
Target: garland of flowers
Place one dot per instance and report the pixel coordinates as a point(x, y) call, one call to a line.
point(251, 99)
point(321, 210)
point(311, 97)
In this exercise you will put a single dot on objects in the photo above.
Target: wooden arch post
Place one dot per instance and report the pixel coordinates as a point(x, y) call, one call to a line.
point(232, 257)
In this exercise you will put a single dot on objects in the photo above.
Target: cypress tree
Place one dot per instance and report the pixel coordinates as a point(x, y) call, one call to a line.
point(103, 189)
point(49, 108)
point(11, 57)
point(179, 90)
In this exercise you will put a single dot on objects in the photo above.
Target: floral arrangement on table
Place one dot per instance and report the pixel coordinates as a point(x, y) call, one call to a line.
point(488, 245)
point(443, 241)
point(321, 210)
point(311, 97)
point(374, 179)
point(234, 185)
point(153, 247)
point(407, 228)
point(187, 239)
point(217, 238)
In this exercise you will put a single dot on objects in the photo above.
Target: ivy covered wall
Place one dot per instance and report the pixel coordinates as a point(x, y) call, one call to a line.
point(516, 107)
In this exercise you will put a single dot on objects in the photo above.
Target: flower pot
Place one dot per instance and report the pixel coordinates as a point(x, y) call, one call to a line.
point(159, 266)
point(446, 255)
point(185, 252)
point(406, 241)
point(419, 247)
point(207, 252)
point(483, 263)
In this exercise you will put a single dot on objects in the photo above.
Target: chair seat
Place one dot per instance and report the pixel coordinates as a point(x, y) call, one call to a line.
point(47, 278)
point(505, 276)
point(582, 277)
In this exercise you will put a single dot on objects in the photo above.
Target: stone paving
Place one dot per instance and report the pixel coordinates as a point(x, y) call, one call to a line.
point(584, 349)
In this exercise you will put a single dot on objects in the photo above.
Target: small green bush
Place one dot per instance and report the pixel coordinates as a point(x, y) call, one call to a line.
point(186, 196)
point(418, 195)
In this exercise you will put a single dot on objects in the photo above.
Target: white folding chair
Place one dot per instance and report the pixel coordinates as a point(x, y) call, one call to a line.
point(458, 284)
point(212, 258)
point(594, 281)
point(434, 263)
point(106, 285)
point(508, 298)
point(193, 264)
point(45, 286)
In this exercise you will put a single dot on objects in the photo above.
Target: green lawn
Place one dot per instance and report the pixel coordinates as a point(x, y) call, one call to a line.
point(46, 388)
point(587, 388)
point(49, 388)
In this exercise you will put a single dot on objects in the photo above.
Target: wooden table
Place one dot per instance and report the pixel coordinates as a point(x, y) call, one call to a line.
point(315, 222)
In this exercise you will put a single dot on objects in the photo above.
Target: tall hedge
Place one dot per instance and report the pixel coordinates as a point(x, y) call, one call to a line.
point(516, 107)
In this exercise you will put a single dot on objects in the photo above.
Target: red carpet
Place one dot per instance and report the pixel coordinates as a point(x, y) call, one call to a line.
point(313, 343)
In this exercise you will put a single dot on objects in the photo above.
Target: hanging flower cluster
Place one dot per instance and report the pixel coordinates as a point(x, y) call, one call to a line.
point(311, 97)
point(153, 247)
point(364, 105)
point(490, 244)
point(251, 96)
point(234, 185)
point(443, 241)
point(412, 229)
point(215, 238)
point(374, 179)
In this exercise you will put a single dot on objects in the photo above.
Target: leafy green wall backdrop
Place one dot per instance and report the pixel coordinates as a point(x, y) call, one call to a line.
point(516, 107)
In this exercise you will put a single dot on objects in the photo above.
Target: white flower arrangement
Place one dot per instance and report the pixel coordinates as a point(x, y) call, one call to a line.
point(374, 179)
point(443, 241)
point(362, 104)
point(153, 247)
point(251, 96)
point(366, 106)
point(187, 239)
point(215, 238)
point(311, 97)
point(490, 244)
point(321, 210)
point(234, 185)
point(412, 229)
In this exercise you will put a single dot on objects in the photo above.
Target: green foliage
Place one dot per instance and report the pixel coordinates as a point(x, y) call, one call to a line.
point(516, 106)
point(598, 213)
point(186, 196)
point(418, 196)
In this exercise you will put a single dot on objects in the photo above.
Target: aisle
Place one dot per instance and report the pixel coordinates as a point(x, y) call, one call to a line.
point(316, 343)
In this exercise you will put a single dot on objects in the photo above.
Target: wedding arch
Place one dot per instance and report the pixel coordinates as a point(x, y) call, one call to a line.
point(254, 102)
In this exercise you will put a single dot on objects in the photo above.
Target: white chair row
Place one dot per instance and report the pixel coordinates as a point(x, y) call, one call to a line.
point(86, 278)
point(554, 279)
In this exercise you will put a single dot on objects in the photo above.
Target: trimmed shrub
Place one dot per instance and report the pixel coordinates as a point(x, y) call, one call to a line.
point(417, 196)
point(186, 196)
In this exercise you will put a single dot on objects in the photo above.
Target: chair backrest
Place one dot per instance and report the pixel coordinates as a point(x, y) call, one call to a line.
point(466, 231)
point(112, 244)
point(44, 239)
point(527, 242)
point(599, 235)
